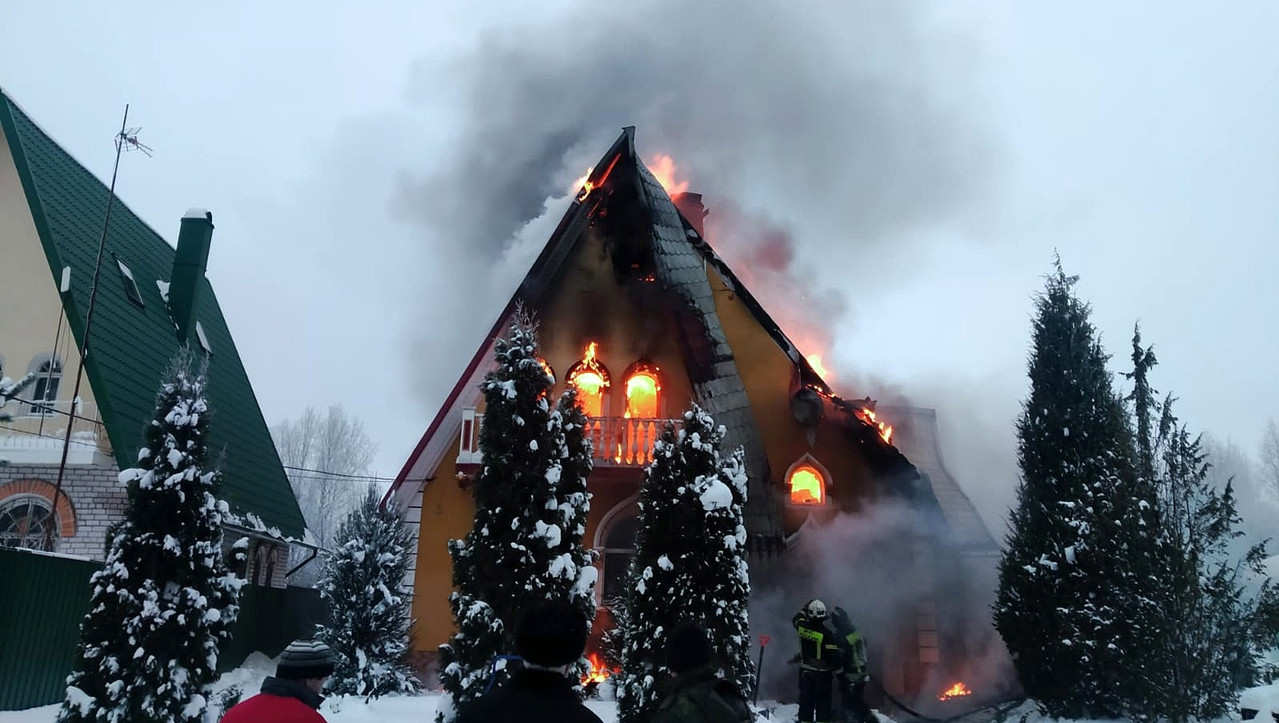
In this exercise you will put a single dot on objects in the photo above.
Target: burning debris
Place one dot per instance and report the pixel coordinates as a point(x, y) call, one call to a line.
point(958, 690)
point(885, 430)
point(598, 672)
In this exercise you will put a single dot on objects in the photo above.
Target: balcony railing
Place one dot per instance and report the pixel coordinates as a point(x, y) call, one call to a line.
point(615, 441)
point(36, 431)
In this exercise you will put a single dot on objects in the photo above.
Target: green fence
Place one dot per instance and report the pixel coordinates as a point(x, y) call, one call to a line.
point(43, 598)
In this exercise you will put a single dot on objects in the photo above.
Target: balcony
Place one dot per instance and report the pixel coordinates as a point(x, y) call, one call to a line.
point(36, 431)
point(615, 441)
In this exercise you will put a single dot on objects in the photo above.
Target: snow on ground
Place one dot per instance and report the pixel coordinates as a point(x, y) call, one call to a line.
point(421, 708)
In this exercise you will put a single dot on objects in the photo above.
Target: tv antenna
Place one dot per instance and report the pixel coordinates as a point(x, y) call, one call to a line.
point(127, 140)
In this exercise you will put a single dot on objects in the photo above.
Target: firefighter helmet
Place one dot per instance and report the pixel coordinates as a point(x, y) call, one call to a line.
point(815, 609)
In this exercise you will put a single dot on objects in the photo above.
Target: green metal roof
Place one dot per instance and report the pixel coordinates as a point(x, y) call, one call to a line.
point(132, 346)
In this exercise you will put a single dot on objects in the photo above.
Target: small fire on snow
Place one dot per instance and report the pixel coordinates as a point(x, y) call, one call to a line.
point(598, 672)
point(958, 690)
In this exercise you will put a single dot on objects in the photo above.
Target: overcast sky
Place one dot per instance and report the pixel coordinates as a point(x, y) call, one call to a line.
point(923, 165)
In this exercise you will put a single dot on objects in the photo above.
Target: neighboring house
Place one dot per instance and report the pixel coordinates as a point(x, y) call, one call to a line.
point(640, 314)
point(151, 300)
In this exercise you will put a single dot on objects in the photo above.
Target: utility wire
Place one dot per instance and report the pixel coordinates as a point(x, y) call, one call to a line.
point(313, 473)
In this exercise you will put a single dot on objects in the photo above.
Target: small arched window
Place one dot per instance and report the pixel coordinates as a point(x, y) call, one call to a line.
point(44, 391)
point(591, 380)
point(807, 482)
point(619, 548)
point(643, 391)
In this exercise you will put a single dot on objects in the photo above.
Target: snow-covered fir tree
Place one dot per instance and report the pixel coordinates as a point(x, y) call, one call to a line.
point(571, 563)
point(362, 585)
point(164, 600)
point(689, 562)
point(525, 543)
point(1070, 605)
point(1217, 618)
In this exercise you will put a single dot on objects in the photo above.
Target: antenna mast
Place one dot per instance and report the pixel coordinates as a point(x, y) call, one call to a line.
point(126, 139)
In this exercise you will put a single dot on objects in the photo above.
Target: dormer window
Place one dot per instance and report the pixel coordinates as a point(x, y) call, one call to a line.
point(204, 340)
point(643, 388)
point(807, 483)
point(130, 285)
point(591, 380)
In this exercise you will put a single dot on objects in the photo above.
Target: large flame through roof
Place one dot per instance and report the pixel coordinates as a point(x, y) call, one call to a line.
point(663, 167)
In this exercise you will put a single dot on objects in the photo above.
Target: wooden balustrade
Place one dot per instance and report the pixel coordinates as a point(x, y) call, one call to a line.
point(615, 441)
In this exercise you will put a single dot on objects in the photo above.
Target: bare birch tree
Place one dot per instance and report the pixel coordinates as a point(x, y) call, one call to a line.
point(327, 456)
point(1270, 461)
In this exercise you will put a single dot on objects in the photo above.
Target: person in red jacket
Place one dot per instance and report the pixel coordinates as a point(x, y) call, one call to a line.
point(292, 695)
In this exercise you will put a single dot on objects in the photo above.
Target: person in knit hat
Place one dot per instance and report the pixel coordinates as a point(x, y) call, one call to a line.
point(292, 695)
point(697, 694)
point(550, 638)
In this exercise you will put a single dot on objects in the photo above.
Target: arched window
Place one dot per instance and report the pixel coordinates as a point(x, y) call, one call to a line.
point(619, 548)
point(44, 390)
point(591, 380)
point(807, 482)
point(24, 522)
point(643, 391)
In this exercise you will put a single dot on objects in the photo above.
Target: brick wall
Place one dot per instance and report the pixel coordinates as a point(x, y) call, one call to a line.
point(96, 498)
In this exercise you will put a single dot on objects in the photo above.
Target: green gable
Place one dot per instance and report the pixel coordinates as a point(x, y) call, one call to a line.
point(132, 345)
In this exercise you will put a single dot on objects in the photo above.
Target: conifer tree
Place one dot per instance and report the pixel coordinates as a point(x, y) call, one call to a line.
point(689, 562)
point(164, 600)
point(571, 562)
point(1213, 627)
point(525, 542)
point(1069, 606)
point(362, 586)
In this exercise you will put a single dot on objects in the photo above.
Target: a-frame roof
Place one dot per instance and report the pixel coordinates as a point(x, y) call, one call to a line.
point(131, 346)
point(680, 257)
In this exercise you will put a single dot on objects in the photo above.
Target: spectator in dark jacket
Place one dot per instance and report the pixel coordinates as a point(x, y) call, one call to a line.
point(550, 638)
point(292, 695)
point(697, 694)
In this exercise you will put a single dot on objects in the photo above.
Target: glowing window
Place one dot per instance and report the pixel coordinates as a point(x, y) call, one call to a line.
point(591, 380)
point(643, 390)
point(807, 486)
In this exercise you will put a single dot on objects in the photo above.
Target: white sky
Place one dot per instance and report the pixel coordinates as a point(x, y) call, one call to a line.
point(1139, 143)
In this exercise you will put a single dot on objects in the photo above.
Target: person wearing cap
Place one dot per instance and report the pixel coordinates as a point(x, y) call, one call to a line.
point(697, 694)
point(550, 637)
point(292, 695)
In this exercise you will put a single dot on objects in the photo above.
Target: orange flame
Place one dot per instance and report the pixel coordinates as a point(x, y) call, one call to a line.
point(598, 672)
point(663, 167)
point(815, 361)
point(583, 185)
point(591, 379)
point(958, 690)
point(885, 430)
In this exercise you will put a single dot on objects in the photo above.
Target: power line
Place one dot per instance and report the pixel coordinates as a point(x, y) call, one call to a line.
point(326, 473)
point(313, 473)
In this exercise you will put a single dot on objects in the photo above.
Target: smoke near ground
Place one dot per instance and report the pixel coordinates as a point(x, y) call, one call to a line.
point(843, 125)
point(859, 562)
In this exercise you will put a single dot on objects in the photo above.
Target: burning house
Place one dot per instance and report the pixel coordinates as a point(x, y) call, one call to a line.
point(639, 313)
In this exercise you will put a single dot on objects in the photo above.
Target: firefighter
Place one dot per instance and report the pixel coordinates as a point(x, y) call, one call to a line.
point(820, 655)
point(854, 673)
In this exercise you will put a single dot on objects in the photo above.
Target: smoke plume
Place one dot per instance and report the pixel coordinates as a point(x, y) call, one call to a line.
point(842, 124)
